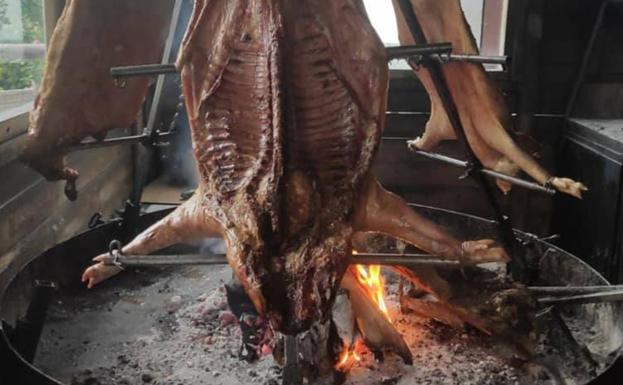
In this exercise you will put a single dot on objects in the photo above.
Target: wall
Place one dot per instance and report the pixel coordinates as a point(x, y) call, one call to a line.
point(34, 213)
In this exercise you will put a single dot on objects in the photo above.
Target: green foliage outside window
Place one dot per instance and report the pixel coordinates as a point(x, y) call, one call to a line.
point(22, 74)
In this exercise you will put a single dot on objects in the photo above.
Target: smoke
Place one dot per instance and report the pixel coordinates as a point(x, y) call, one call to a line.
point(180, 167)
point(212, 246)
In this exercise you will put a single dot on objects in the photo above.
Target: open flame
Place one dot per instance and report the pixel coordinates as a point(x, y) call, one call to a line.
point(349, 357)
point(372, 282)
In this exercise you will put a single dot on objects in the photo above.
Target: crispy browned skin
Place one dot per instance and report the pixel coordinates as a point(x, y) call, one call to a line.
point(481, 107)
point(78, 97)
point(287, 102)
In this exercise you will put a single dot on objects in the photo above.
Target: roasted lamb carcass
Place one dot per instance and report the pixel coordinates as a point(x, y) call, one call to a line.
point(287, 104)
point(78, 97)
point(483, 112)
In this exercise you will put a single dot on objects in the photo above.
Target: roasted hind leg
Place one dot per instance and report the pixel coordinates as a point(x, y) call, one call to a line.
point(481, 107)
point(383, 212)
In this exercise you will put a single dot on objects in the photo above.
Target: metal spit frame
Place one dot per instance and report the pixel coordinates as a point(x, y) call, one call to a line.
point(475, 168)
point(434, 57)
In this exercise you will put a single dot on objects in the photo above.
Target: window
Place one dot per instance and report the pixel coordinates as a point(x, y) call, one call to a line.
point(22, 51)
point(487, 19)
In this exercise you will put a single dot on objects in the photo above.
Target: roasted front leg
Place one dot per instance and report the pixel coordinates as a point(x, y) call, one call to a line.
point(189, 222)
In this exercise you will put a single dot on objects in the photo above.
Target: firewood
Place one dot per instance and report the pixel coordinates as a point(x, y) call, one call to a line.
point(378, 333)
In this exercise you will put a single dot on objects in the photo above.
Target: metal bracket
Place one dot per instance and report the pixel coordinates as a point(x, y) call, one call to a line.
point(291, 372)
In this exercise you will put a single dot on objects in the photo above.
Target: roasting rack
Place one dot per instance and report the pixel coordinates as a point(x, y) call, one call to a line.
point(545, 295)
point(431, 56)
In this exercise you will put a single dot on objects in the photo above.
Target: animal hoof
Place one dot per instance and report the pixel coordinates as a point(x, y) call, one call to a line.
point(569, 186)
point(483, 251)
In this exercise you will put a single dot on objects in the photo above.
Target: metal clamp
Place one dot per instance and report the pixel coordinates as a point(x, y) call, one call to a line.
point(469, 170)
point(114, 255)
point(96, 220)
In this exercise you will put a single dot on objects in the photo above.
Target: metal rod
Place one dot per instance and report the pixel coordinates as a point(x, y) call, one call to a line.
point(443, 51)
point(482, 59)
point(498, 175)
point(407, 51)
point(402, 260)
point(220, 259)
point(133, 139)
point(441, 84)
point(573, 290)
point(143, 70)
point(598, 297)
point(171, 260)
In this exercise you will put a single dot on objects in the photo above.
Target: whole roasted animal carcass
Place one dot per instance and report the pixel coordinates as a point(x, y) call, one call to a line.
point(287, 105)
point(481, 107)
point(78, 97)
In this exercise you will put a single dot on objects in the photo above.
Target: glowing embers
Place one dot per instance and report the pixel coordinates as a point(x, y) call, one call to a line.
point(349, 357)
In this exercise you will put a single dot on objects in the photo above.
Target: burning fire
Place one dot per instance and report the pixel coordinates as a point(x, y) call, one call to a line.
point(372, 280)
point(347, 358)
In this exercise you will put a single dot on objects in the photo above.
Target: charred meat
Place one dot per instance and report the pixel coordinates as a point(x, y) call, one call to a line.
point(287, 105)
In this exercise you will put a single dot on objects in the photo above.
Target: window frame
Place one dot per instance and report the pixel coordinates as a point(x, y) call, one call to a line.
point(14, 121)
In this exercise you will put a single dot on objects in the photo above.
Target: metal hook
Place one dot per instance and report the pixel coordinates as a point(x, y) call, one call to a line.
point(119, 82)
point(114, 245)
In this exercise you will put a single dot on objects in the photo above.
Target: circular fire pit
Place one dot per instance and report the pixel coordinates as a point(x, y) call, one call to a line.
point(171, 326)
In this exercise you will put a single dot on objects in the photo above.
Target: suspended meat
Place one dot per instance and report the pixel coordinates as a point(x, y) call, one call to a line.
point(481, 107)
point(287, 104)
point(78, 97)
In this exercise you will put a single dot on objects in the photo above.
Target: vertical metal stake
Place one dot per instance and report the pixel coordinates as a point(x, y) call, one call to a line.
point(28, 330)
point(291, 372)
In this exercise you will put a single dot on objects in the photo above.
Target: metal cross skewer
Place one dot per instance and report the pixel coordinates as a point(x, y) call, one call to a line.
point(143, 70)
point(133, 139)
point(498, 175)
point(545, 295)
point(115, 258)
point(442, 52)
